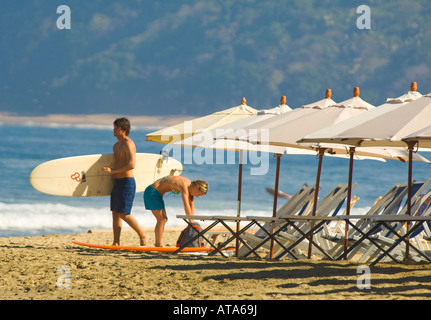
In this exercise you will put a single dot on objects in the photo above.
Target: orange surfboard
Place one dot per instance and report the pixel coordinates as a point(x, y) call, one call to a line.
point(143, 249)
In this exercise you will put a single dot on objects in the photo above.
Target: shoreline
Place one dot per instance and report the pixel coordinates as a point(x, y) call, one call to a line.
point(150, 122)
point(35, 268)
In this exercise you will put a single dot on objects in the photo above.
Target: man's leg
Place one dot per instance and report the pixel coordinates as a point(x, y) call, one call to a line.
point(116, 228)
point(131, 221)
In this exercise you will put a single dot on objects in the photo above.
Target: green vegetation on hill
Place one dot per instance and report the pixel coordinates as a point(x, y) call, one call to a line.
point(196, 57)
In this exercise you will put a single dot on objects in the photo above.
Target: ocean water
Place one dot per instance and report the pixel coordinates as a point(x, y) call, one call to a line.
point(25, 211)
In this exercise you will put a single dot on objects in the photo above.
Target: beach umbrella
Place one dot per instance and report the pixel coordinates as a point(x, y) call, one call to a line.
point(287, 134)
point(205, 137)
point(186, 129)
point(291, 129)
point(255, 128)
point(385, 126)
point(263, 120)
point(227, 137)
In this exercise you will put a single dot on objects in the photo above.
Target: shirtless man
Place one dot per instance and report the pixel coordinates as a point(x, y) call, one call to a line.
point(153, 199)
point(123, 192)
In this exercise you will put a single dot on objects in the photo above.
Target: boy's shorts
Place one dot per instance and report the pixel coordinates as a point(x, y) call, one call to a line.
point(122, 195)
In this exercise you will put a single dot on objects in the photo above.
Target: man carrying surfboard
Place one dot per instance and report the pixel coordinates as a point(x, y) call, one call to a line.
point(123, 192)
point(153, 199)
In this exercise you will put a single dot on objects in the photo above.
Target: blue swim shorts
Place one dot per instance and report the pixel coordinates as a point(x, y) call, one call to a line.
point(123, 194)
point(153, 199)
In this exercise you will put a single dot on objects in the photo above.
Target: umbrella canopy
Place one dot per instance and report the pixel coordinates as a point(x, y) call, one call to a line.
point(269, 122)
point(186, 129)
point(287, 133)
point(292, 127)
point(384, 126)
point(225, 137)
point(421, 137)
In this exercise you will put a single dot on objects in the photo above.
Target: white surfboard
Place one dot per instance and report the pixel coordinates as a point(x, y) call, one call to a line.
point(82, 176)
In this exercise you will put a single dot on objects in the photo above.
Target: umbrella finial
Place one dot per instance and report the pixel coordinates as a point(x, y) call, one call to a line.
point(243, 100)
point(283, 100)
point(328, 93)
point(413, 86)
point(356, 91)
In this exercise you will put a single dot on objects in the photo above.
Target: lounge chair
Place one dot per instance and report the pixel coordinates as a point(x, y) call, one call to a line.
point(390, 205)
point(420, 207)
point(285, 236)
point(332, 206)
point(299, 202)
point(390, 202)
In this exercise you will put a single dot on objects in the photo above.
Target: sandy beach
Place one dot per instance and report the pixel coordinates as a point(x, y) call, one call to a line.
point(35, 267)
point(30, 266)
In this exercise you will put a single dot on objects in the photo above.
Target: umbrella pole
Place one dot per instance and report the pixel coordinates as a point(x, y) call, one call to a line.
point(349, 197)
point(238, 208)
point(410, 146)
point(274, 208)
point(316, 197)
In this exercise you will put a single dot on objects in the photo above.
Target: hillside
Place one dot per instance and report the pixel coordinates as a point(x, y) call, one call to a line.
point(152, 57)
